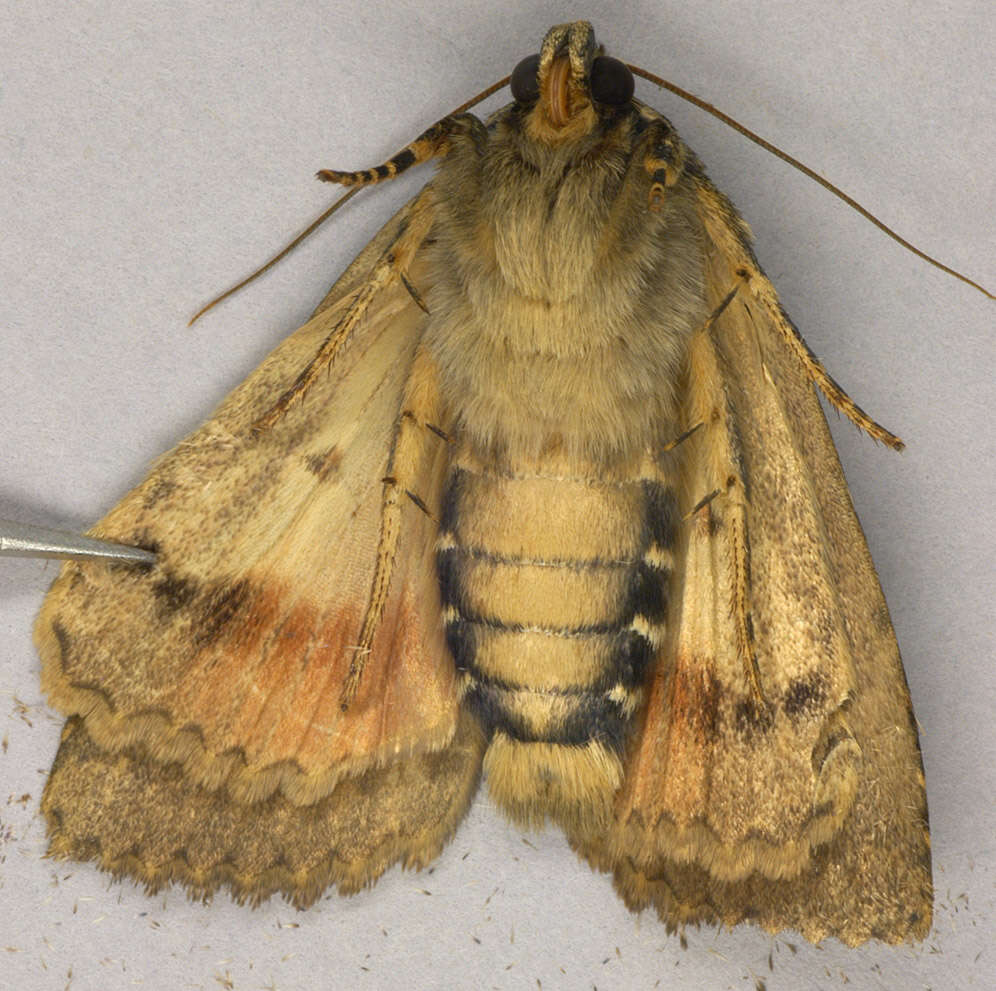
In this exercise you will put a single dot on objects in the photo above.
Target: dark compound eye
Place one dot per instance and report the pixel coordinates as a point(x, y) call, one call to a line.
point(525, 80)
point(611, 81)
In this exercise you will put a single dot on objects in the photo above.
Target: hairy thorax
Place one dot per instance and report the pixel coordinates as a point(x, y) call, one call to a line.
point(559, 316)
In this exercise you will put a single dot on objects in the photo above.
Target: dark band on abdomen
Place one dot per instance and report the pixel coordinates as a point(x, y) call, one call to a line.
point(555, 649)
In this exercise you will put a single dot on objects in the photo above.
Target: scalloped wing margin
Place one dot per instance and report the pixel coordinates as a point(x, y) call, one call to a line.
point(806, 812)
point(213, 683)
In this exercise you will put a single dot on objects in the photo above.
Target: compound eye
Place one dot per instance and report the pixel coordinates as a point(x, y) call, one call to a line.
point(525, 80)
point(611, 81)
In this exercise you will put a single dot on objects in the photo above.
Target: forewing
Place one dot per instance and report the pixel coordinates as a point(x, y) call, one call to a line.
point(229, 656)
point(801, 805)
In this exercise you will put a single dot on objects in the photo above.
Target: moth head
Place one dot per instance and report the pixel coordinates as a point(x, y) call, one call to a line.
point(570, 85)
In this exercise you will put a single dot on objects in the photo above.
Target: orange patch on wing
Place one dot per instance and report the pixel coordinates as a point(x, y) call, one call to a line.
point(692, 698)
point(272, 685)
point(669, 772)
point(306, 655)
point(408, 690)
point(212, 690)
point(268, 682)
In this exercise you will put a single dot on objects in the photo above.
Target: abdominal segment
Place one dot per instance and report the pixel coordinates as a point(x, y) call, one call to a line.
point(554, 588)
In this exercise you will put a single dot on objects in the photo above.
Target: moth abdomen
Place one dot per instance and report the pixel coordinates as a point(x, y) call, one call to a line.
point(567, 716)
point(554, 589)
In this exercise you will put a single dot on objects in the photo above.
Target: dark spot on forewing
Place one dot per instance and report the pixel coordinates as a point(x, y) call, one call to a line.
point(805, 696)
point(173, 593)
point(211, 608)
point(751, 717)
point(218, 609)
point(324, 464)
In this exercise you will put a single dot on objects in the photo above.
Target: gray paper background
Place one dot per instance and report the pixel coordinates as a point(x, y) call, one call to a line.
point(153, 153)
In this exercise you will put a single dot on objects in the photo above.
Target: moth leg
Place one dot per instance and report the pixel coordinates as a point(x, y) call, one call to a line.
point(681, 438)
point(731, 234)
point(390, 268)
point(724, 464)
point(413, 292)
point(433, 142)
point(665, 155)
point(416, 432)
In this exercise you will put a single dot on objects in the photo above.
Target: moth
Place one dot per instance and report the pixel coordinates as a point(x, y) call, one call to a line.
point(543, 489)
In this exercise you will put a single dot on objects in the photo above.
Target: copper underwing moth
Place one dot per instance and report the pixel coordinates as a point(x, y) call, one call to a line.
point(542, 489)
